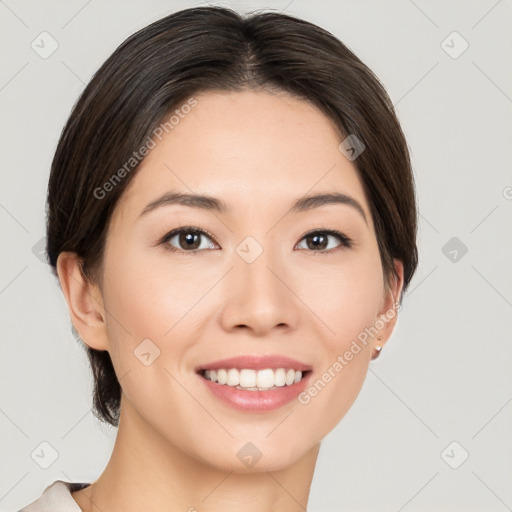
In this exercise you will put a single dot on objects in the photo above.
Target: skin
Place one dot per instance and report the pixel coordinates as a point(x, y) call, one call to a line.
point(177, 444)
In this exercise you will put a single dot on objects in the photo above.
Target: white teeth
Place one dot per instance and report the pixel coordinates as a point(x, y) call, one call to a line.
point(265, 379)
point(233, 377)
point(280, 377)
point(254, 380)
point(222, 376)
point(247, 378)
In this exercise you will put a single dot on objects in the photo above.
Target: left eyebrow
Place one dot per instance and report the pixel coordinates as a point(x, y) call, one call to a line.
point(302, 204)
point(315, 201)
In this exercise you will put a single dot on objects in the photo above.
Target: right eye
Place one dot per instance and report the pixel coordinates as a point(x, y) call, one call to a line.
point(188, 239)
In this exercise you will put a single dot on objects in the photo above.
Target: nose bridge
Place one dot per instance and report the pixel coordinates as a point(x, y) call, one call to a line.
point(256, 295)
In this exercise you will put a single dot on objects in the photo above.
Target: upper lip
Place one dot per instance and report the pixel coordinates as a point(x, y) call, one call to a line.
point(260, 362)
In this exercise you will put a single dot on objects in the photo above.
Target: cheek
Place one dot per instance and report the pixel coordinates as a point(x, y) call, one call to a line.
point(345, 296)
point(151, 296)
point(159, 300)
point(347, 302)
point(149, 331)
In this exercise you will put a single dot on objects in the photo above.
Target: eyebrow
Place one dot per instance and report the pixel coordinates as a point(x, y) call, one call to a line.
point(205, 202)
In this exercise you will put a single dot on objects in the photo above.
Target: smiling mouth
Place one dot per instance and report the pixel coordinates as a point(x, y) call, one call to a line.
point(248, 379)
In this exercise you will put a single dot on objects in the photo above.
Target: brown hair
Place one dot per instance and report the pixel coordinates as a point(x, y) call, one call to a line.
point(213, 48)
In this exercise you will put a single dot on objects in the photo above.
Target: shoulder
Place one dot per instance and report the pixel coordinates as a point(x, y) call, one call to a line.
point(56, 498)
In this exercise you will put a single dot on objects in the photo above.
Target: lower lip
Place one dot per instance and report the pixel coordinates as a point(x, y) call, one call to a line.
point(256, 401)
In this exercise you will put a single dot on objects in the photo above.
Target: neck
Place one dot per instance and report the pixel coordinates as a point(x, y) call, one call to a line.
point(145, 471)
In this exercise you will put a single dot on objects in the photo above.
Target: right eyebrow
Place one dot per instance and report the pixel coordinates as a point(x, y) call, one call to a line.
point(191, 200)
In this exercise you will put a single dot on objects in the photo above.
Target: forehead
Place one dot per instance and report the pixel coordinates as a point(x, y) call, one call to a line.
point(251, 149)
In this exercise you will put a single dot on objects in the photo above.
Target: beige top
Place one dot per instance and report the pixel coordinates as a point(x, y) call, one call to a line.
point(56, 498)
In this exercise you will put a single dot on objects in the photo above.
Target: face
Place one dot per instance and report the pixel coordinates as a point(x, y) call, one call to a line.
point(248, 278)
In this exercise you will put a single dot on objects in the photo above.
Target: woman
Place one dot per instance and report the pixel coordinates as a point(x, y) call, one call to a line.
point(232, 220)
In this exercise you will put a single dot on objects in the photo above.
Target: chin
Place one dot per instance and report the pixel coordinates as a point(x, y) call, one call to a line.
point(245, 457)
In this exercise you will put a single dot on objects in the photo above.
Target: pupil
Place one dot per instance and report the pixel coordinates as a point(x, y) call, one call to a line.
point(316, 241)
point(188, 240)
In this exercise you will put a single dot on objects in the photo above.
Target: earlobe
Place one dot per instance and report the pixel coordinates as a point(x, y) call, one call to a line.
point(85, 302)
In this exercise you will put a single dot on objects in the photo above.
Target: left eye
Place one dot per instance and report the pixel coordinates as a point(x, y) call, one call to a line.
point(319, 240)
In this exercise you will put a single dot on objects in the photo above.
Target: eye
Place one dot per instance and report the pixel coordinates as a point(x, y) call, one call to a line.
point(188, 239)
point(318, 241)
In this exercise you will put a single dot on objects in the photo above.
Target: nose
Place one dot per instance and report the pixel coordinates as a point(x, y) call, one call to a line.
point(259, 297)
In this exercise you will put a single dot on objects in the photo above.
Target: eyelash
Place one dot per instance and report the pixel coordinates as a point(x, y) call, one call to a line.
point(346, 242)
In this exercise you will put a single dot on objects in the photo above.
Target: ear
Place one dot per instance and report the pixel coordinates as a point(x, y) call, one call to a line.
point(85, 301)
point(388, 313)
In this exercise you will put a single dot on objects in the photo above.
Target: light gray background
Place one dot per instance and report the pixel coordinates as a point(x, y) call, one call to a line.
point(446, 374)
